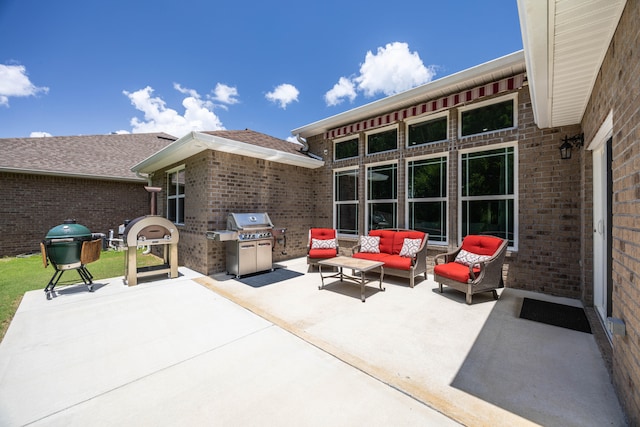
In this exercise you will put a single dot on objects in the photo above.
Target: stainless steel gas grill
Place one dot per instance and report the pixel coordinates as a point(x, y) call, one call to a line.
point(249, 243)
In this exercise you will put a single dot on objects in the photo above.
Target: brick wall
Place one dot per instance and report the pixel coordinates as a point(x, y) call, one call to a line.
point(220, 183)
point(617, 90)
point(548, 258)
point(33, 204)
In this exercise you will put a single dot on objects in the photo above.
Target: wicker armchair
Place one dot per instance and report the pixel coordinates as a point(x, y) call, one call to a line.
point(476, 266)
point(323, 244)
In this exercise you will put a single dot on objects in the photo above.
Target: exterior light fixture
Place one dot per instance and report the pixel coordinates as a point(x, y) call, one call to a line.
point(568, 143)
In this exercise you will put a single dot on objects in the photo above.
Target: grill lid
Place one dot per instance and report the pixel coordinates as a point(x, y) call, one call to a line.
point(248, 221)
point(69, 229)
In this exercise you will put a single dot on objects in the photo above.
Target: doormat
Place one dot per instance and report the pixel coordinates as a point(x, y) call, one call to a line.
point(258, 280)
point(554, 314)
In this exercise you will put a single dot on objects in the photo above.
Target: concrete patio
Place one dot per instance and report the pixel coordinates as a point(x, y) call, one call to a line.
point(284, 352)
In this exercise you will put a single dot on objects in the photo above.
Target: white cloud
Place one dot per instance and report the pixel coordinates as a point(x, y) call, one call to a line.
point(15, 82)
point(198, 114)
point(225, 94)
point(284, 95)
point(343, 89)
point(39, 134)
point(392, 69)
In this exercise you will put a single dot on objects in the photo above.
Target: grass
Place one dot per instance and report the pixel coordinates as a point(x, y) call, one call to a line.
point(23, 274)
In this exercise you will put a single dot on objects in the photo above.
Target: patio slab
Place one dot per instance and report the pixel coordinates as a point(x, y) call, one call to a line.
point(171, 352)
point(479, 364)
point(286, 353)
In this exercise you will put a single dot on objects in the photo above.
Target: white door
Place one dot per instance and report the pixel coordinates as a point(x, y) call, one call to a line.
point(600, 227)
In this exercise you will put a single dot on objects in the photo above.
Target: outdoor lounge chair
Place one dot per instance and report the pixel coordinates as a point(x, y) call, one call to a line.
point(476, 266)
point(322, 244)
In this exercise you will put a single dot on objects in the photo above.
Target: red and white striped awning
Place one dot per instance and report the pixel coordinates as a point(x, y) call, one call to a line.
point(453, 100)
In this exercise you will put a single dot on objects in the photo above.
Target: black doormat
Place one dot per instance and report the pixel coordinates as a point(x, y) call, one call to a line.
point(554, 314)
point(258, 280)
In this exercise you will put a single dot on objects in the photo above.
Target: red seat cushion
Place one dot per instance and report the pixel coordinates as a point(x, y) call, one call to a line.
point(454, 271)
point(322, 253)
point(481, 245)
point(398, 262)
point(371, 257)
point(323, 233)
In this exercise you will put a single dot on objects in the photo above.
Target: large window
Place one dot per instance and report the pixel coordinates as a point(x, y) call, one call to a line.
point(346, 201)
point(384, 140)
point(488, 116)
point(427, 197)
point(175, 195)
point(434, 129)
point(345, 149)
point(488, 193)
point(382, 196)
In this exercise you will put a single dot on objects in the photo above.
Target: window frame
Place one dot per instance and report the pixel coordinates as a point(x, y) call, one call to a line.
point(428, 118)
point(368, 202)
point(345, 139)
point(367, 134)
point(514, 196)
point(512, 96)
point(445, 199)
point(175, 198)
point(355, 201)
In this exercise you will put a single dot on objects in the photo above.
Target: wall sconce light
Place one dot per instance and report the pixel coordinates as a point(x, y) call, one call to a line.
point(568, 143)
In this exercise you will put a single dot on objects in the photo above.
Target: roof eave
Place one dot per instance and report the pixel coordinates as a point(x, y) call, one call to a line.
point(416, 94)
point(196, 142)
point(71, 175)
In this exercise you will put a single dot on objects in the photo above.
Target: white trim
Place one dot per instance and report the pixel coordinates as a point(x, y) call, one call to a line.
point(334, 203)
point(71, 175)
point(394, 126)
point(345, 139)
point(604, 133)
point(425, 118)
point(516, 191)
point(444, 154)
point(513, 96)
point(366, 191)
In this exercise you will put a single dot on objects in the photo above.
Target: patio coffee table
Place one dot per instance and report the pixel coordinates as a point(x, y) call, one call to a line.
point(357, 266)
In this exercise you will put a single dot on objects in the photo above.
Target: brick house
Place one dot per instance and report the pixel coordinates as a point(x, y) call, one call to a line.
point(88, 178)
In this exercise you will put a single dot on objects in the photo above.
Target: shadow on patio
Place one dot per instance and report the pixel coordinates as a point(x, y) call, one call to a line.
point(478, 364)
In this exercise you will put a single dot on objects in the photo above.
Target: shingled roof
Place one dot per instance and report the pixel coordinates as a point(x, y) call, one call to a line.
point(93, 156)
point(256, 138)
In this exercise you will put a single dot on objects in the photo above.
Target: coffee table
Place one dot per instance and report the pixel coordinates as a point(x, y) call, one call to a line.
point(357, 266)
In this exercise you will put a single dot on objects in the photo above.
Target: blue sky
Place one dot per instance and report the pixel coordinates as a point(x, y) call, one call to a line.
point(81, 67)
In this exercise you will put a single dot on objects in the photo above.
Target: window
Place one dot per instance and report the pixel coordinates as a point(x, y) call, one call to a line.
point(382, 196)
point(426, 131)
point(427, 197)
point(345, 149)
point(346, 201)
point(488, 193)
point(384, 140)
point(175, 195)
point(488, 116)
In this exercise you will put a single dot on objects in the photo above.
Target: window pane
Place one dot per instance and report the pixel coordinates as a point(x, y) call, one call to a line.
point(382, 182)
point(382, 141)
point(347, 218)
point(429, 217)
point(488, 173)
point(427, 178)
point(171, 210)
point(429, 131)
point(347, 185)
point(346, 149)
point(487, 119)
point(173, 178)
point(180, 182)
point(180, 213)
point(382, 215)
point(494, 217)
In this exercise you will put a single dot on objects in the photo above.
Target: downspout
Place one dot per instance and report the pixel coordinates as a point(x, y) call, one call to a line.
point(305, 148)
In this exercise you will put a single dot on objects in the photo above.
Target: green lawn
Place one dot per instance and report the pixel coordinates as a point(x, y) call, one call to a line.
point(20, 275)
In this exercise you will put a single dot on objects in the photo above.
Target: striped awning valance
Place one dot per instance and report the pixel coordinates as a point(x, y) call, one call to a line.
point(504, 85)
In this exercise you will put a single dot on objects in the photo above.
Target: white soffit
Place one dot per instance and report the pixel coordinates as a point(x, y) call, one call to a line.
point(565, 42)
point(196, 142)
